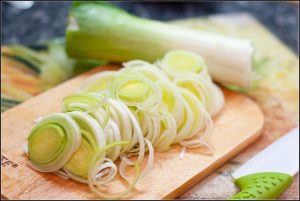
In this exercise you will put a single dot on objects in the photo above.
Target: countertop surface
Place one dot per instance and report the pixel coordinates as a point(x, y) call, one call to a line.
point(46, 20)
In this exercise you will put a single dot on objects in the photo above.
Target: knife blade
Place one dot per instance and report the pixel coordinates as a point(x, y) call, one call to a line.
point(268, 174)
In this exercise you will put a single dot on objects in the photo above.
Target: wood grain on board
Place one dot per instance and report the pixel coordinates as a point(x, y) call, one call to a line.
point(238, 125)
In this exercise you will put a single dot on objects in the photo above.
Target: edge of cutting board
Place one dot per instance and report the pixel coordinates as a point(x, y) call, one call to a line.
point(217, 164)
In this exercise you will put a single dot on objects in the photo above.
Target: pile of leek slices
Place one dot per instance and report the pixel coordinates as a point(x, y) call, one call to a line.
point(124, 114)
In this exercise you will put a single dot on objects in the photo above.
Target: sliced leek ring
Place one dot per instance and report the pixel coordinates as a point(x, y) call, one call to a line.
point(81, 102)
point(135, 90)
point(52, 142)
point(93, 139)
point(177, 62)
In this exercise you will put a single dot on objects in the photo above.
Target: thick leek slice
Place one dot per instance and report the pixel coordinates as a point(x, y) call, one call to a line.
point(81, 102)
point(80, 161)
point(52, 142)
point(100, 111)
point(136, 90)
point(177, 62)
point(93, 140)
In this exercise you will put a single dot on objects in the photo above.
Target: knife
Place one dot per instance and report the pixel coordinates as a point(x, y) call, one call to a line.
point(268, 174)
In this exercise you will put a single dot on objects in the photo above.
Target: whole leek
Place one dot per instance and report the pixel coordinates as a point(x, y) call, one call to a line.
point(99, 30)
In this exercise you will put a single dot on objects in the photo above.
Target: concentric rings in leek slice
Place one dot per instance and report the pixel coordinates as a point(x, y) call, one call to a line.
point(80, 161)
point(44, 153)
point(91, 127)
point(92, 140)
point(52, 142)
point(177, 62)
point(80, 102)
point(136, 90)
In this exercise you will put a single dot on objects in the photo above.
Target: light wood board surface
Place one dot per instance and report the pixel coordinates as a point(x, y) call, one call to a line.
point(238, 125)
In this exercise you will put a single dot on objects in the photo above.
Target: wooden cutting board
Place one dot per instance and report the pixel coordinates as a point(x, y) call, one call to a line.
point(239, 124)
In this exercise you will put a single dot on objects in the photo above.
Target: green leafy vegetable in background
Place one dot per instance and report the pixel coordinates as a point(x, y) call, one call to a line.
point(27, 72)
